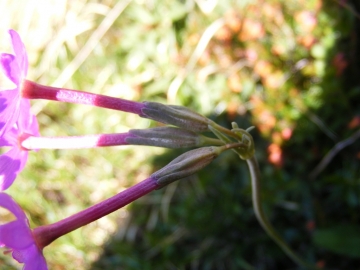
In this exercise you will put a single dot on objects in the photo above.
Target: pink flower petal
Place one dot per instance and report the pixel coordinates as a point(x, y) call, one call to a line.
point(7, 202)
point(9, 138)
point(16, 120)
point(33, 127)
point(16, 235)
point(20, 52)
point(11, 163)
point(9, 112)
point(33, 259)
point(10, 67)
point(27, 121)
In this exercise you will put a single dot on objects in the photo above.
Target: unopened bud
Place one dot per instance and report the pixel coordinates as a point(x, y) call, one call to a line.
point(185, 165)
point(169, 137)
point(189, 163)
point(176, 115)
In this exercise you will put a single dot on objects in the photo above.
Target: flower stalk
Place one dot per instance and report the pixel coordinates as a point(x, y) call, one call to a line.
point(44, 235)
point(247, 152)
point(32, 90)
point(262, 218)
point(169, 137)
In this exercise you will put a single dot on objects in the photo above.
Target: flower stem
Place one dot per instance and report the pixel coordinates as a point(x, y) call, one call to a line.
point(32, 90)
point(133, 137)
point(223, 130)
point(44, 235)
point(263, 220)
point(76, 142)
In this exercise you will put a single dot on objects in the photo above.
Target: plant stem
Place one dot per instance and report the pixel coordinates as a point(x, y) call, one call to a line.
point(44, 235)
point(263, 220)
point(32, 90)
point(140, 137)
point(223, 130)
point(76, 142)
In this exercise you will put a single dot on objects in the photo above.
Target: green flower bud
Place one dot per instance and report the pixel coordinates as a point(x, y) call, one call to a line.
point(189, 163)
point(185, 165)
point(169, 137)
point(175, 115)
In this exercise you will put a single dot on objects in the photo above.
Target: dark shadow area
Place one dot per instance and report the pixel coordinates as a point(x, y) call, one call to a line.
point(207, 221)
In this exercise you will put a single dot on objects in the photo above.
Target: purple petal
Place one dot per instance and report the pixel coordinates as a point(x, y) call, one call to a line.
point(10, 138)
point(16, 235)
point(4, 142)
point(27, 122)
point(34, 259)
point(7, 202)
point(20, 52)
point(11, 164)
point(33, 127)
point(10, 66)
point(22, 156)
point(9, 111)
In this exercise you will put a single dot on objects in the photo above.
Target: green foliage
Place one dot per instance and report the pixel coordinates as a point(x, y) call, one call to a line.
point(341, 239)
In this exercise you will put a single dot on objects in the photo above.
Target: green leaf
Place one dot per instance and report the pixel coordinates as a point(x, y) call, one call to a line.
point(341, 239)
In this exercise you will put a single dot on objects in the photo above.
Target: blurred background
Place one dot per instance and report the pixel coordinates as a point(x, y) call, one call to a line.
point(289, 67)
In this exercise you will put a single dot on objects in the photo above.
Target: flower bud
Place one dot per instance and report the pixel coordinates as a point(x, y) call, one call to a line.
point(176, 115)
point(169, 137)
point(186, 165)
point(189, 163)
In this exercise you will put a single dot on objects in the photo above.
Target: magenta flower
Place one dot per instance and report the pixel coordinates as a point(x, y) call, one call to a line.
point(15, 68)
point(16, 120)
point(18, 237)
point(13, 161)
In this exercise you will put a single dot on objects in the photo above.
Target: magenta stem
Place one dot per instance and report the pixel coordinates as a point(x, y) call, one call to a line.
point(75, 142)
point(44, 235)
point(32, 90)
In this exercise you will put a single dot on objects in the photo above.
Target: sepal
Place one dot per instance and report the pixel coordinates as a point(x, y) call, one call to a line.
point(186, 165)
point(175, 115)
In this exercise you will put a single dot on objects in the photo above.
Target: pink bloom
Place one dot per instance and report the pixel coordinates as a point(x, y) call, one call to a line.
point(16, 120)
point(18, 237)
point(13, 161)
point(15, 68)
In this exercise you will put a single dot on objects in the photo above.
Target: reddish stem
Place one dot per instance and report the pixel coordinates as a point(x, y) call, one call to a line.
point(44, 235)
point(75, 142)
point(32, 90)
